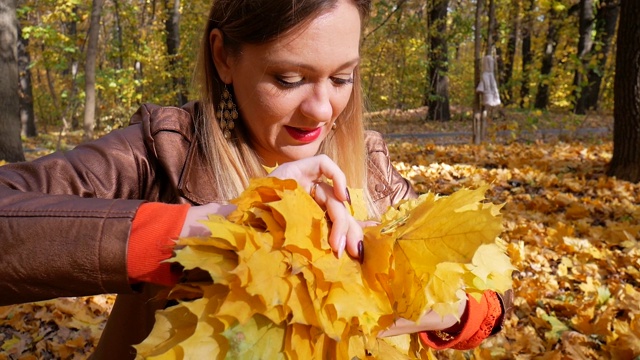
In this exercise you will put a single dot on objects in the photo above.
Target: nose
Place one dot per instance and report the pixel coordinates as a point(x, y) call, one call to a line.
point(317, 103)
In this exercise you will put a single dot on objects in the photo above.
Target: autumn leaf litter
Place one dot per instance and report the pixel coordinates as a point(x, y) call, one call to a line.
point(572, 232)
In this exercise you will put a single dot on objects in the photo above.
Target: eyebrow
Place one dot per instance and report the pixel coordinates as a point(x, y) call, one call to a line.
point(287, 63)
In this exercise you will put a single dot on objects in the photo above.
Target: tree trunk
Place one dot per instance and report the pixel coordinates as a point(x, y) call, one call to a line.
point(120, 43)
point(493, 37)
point(506, 71)
point(606, 20)
point(542, 96)
point(527, 56)
point(54, 98)
point(478, 119)
point(172, 26)
point(585, 46)
point(71, 29)
point(90, 70)
point(10, 142)
point(138, 75)
point(27, 116)
point(625, 163)
point(437, 98)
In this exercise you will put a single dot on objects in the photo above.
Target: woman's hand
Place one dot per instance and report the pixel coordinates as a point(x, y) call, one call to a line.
point(346, 232)
point(192, 225)
point(428, 322)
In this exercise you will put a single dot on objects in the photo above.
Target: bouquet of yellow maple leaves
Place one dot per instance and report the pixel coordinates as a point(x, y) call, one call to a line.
point(280, 292)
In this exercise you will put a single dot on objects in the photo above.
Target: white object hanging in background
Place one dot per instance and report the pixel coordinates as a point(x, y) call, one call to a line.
point(488, 86)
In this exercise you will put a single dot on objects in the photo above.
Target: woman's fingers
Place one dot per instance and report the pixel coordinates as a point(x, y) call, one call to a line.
point(192, 223)
point(355, 245)
point(330, 170)
point(307, 171)
point(346, 232)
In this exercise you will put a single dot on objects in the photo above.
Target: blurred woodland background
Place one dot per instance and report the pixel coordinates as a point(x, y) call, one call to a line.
point(89, 65)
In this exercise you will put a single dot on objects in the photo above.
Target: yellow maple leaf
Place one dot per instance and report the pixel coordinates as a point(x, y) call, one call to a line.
point(216, 261)
point(179, 330)
point(491, 267)
point(436, 244)
point(358, 206)
point(259, 338)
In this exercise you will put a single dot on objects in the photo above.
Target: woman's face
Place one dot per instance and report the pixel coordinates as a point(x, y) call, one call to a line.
point(290, 91)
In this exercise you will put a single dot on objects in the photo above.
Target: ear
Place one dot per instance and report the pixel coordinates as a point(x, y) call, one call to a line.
point(221, 57)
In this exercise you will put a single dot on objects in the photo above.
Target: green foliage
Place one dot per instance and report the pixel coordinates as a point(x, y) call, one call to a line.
point(394, 57)
point(133, 65)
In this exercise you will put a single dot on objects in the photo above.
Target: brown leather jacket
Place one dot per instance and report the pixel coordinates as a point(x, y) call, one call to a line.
point(65, 218)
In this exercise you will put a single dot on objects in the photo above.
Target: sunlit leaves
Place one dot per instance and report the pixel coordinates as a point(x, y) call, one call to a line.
point(61, 328)
point(554, 255)
point(571, 232)
point(280, 291)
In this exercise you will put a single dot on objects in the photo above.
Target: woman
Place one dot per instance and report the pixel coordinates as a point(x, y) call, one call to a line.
point(280, 86)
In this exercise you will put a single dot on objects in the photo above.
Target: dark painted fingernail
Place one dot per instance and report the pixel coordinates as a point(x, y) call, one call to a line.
point(348, 196)
point(361, 251)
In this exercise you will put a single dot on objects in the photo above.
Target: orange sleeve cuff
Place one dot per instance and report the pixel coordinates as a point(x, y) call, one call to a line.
point(478, 323)
point(155, 228)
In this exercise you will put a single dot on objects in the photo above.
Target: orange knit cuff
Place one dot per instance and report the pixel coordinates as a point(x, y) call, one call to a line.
point(494, 312)
point(155, 228)
point(478, 322)
point(471, 320)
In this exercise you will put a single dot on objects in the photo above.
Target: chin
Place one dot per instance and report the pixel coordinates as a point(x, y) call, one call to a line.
point(298, 154)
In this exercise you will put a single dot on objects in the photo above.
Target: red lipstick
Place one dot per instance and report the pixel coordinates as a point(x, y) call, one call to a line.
point(303, 135)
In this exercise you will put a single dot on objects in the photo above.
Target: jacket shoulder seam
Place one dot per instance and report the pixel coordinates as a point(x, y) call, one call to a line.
point(163, 119)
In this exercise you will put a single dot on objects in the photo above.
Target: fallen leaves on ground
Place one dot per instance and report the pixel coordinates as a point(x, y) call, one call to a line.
point(66, 328)
point(573, 235)
point(572, 232)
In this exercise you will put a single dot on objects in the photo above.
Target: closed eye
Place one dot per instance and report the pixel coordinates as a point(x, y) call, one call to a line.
point(338, 81)
point(290, 81)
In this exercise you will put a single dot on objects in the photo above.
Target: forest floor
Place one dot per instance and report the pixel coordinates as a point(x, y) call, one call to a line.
point(573, 235)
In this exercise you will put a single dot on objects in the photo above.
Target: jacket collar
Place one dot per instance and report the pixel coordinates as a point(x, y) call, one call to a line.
point(196, 181)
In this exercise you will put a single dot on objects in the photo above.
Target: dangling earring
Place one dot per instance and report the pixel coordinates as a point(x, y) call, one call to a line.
point(227, 113)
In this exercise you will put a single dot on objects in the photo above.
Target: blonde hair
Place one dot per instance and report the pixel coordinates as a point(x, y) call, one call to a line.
point(233, 162)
